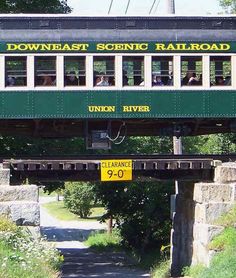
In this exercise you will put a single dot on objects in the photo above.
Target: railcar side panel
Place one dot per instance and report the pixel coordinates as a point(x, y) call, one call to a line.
point(117, 104)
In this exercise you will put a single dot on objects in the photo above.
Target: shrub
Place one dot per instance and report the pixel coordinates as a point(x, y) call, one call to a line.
point(7, 226)
point(78, 198)
point(22, 256)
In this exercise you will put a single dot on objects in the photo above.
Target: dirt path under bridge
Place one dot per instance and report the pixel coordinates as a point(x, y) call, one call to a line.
point(80, 261)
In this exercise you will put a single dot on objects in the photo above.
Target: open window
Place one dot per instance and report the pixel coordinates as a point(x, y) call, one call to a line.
point(45, 71)
point(104, 71)
point(16, 73)
point(162, 71)
point(133, 71)
point(220, 70)
point(74, 71)
point(191, 71)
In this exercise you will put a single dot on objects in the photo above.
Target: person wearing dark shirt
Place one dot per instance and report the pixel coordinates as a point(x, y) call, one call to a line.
point(71, 79)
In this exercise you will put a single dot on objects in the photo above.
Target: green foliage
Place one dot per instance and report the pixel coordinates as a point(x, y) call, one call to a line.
point(225, 240)
point(161, 270)
point(7, 225)
point(102, 241)
point(141, 211)
point(78, 198)
point(21, 256)
point(228, 5)
point(227, 219)
point(193, 271)
point(34, 6)
point(222, 265)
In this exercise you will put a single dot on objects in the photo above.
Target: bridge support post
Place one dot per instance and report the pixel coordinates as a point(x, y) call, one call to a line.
point(182, 230)
point(18, 203)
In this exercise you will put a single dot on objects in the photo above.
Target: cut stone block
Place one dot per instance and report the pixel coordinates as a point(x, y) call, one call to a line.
point(19, 193)
point(4, 177)
point(200, 254)
point(208, 213)
point(213, 192)
point(21, 212)
point(225, 173)
point(205, 233)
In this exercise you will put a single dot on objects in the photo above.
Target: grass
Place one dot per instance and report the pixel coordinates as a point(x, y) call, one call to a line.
point(59, 211)
point(102, 241)
point(161, 270)
point(225, 240)
point(227, 219)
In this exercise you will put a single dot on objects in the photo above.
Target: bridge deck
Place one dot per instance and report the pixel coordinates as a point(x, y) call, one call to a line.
point(88, 169)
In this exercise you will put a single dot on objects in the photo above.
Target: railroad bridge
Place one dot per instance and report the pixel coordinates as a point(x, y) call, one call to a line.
point(207, 188)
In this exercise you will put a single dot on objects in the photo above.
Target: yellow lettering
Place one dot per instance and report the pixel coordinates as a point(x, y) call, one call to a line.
point(106, 109)
point(66, 47)
point(136, 109)
point(160, 47)
point(224, 46)
point(170, 47)
point(195, 46)
point(101, 46)
point(11, 47)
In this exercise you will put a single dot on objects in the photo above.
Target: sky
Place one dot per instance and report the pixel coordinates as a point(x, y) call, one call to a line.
point(142, 7)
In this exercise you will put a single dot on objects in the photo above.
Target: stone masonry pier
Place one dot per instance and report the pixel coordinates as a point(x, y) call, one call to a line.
point(18, 203)
point(197, 208)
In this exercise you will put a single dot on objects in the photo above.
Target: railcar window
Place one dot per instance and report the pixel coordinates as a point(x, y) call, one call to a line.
point(191, 71)
point(104, 71)
point(162, 71)
point(74, 69)
point(220, 70)
point(15, 71)
point(45, 71)
point(133, 71)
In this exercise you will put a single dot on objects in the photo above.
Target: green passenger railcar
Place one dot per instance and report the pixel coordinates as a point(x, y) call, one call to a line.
point(64, 75)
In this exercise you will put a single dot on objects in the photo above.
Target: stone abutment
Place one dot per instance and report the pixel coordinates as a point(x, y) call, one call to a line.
point(197, 208)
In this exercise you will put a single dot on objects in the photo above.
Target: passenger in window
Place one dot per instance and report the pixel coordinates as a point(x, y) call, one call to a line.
point(193, 80)
point(111, 81)
point(104, 81)
point(219, 81)
point(157, 81)
point(11, 81)
point(185, 80)
point(71, 79)
point(227, 81)
point(47, 81)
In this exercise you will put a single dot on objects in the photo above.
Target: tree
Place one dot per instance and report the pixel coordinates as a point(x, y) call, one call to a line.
point(34, 6)
point(78, 198)
point(228, 5)
point(141, 210)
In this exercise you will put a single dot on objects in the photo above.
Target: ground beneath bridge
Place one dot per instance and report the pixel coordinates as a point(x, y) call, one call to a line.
point(81, 261)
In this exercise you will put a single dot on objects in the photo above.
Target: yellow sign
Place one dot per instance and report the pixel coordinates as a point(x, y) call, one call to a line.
point(116, 170)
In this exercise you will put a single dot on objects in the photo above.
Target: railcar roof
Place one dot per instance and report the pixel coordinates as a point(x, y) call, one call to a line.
point(61, 27)
point(117, 35)
point(115, 15)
